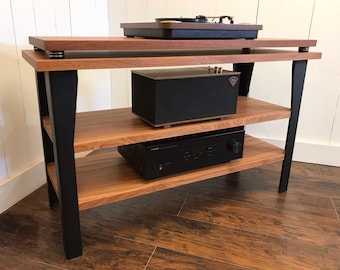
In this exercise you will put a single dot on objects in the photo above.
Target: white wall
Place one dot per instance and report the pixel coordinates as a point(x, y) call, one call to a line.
point(21, 159)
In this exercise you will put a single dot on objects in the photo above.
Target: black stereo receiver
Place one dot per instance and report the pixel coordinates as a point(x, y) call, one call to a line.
point(164, 157)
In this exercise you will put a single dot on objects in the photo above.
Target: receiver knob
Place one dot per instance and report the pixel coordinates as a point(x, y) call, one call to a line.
point(235, 146)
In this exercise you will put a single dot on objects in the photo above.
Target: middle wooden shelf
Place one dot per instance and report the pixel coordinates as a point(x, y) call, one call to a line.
point(109, 128)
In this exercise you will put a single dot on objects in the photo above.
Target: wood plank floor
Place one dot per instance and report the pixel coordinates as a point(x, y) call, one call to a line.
point(233, 222)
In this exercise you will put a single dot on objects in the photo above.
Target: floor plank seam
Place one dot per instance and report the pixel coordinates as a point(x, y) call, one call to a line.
point(147, 263)
point(245, 203)
point(51, 265)
point(126, 239)
point(283, 237)
point(212, 259)
point(184, 201)
point(298, 191)
point(336, 211)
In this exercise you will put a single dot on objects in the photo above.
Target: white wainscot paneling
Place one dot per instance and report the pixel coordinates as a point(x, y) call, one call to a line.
point(319, 112)
point(38, 20)
point(318, 107)
point(272, 81)
point(23, 21)
point(12, 113)
point(117, 14)
point(178, 8)
point(335, 136)
point(62, 17)
point(285, 19)
point(156, 9)
point(207, 8)
point(94, 90)
point(6, 39)
point(31, 107)
point(244, 11)
point(90, 18)
point(121, 88)
point(267, 85)
point(3, 168)
point(100, 16)
point(136, 10)
point(120, 93)
point(45, 19)
point(325, 75)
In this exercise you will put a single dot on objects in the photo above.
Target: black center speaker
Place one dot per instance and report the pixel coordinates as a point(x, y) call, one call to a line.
point(163, 97)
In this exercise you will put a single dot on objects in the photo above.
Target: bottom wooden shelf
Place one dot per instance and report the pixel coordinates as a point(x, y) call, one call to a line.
point(106, 178)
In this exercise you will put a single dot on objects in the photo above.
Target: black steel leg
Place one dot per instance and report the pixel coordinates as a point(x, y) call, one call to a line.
point(298, 79)
point(246, 70)
point(47, 143)
point(61, 89)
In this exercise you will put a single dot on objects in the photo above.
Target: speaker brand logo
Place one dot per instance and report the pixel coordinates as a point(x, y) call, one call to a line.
point(233, 80)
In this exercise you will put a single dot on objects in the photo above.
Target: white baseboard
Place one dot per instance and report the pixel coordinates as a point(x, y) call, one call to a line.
point(312, 153)
point(17, 187)
point(22, 184)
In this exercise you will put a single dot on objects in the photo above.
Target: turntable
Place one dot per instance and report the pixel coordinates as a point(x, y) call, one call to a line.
point(192, 28)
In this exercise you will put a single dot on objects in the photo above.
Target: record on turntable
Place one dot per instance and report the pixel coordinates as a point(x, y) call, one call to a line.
point(192, 28)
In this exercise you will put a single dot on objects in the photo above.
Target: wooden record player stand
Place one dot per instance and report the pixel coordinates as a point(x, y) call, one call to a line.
point(95, 180)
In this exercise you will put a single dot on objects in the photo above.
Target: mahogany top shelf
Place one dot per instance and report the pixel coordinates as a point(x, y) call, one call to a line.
point(120, 52)
point(142, 44)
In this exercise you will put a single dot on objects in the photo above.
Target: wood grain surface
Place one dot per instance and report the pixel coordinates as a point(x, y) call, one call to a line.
point(52, 43)
point(140, 52)
point(41, 62)
point(108, 128)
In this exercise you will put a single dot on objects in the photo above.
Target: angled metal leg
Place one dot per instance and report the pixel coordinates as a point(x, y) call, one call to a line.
point(61, 90)
point(246, 70)
point(47, 143)
point(298, 79)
